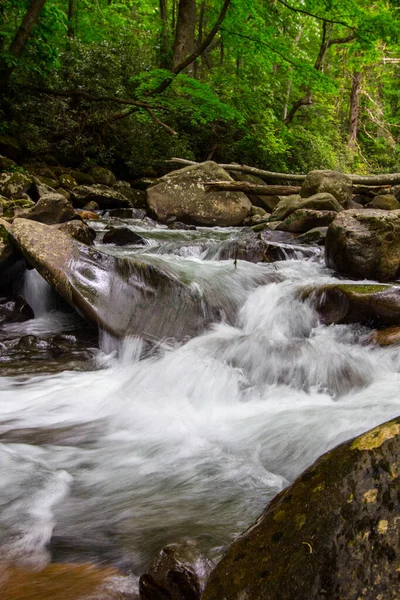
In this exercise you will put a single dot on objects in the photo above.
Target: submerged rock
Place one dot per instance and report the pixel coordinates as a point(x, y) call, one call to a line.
point(121, 236)
point(332, 534)
point(352, 303)
point(181, 194)
point(178, 573)
point(337, 184)
point(123, 296)
point(365, 244)
point(386, 337)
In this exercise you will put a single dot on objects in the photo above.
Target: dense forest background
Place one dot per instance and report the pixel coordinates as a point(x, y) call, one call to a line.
point(283, 85)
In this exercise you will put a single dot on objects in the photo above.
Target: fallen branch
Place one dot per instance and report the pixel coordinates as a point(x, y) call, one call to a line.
point(251, 188)
point(367, 180)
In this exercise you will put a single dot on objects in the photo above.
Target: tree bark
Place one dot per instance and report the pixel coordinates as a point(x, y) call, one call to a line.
point(354, 108)
point(164, 62)
point(21, 37)
point(185, 32)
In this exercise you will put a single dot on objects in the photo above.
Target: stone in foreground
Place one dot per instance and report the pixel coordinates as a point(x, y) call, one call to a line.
point(304, 219)
point(181, 194)
point(365, 244)
point(123, 296)
point(333, 534)
point(337, 184)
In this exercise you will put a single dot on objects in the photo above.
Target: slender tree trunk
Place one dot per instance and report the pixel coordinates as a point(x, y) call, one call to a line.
point(71, 13)
point(21, 37)
point(185, 32)
point(164, 61)
point(354, 108)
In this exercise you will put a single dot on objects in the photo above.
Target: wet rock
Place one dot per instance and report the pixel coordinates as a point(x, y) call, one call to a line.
point(332, 534)
point(127, 213)
point(78, 230)
point(88, 215)
point(15, 311)
point(82, 178)
point(50, 209)
point(121, 236)
point(12, 185)
point(181, 194)
point(65, 582)
point(182, 226)
point(385, 202)
point(304, 219)
point(371, 304)
point(386, 337)
point(104, 196)
point(337, 184)
point(67, 181)
point(365, 244)
point(103, 176)
point(31, 343)
point(321, 201)
point(313, 236)
point(178, 573)
point(91, 206)
point(123, 296)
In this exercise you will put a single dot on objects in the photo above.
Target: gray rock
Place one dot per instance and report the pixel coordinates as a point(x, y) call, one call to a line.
point(181, 194)
point(121, 236)
point(78, 230)
point(104, 196)
point(321, 201)
point(67, 181)
point(304, 219)
point(50, 209)
point(385, 202)
point(337, 184)
point(103, 176)
point(12, 185)
point(365, 244)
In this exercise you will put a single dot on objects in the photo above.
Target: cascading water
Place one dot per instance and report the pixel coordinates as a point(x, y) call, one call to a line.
point(190, 439)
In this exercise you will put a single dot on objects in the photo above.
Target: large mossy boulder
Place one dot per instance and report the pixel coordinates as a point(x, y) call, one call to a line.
point(337, 184)
point(332, 535)
point(50, 209)
point(123, 296)
point(104, 196)
point(321, 201)
point(365, 244)
point(351, 303)
point(182, 195)
point(304, 219)
point(103, 176)
point(13, 185)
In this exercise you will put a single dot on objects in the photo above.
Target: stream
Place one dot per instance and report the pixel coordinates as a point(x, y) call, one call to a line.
point(111, 449)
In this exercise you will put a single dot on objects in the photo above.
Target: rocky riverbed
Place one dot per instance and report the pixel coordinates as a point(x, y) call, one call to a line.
point(172, 360)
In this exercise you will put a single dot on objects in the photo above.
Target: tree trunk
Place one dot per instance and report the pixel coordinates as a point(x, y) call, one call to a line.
point(354, 108)
point(22, 35)
point(164, 61)
point(185, 32)
point(71, 11)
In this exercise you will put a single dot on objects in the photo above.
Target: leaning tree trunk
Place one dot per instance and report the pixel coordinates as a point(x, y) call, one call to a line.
point(354, 109)
point(21, 37)
point(185, 31)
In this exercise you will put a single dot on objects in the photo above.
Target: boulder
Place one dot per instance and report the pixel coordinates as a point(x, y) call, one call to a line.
point(121, 236)
point(10, 208)
point(385, 202)
point(371, 304)
point(337, 184)
point(181, 194)
point(78, 230)
point(386, 337)
point(7, 164)
point(50, 209)
point(67, 182)
point(12, 185)
point(123, 296)
point(313, 236)
point(332, 534)
point(178, 573)
point(304, 219)
point(321, 201)
point(104, 196)
point(137, 197)
point(365, 244)
point(103, 176)
point(10, 147)
point(82, 178)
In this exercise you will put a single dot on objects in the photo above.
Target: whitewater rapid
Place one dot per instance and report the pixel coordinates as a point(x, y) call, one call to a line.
point(190, 440)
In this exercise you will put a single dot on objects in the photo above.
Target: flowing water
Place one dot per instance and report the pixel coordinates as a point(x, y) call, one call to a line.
point(156, 443)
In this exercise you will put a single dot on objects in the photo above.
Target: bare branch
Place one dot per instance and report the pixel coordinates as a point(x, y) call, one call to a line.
point(157, 120)
point(314, 16)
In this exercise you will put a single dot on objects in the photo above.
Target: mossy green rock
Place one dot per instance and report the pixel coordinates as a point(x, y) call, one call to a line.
point(333, 182)
point(102, 175)
point(13, 185)
point(365, 244)
point(123, 296)
point(181, 194)
point(67, 182)
point(352, 303)
point(82, 178)
point(104, 196)
point(288, 205)
point(332, 535)
point(304, 219)
point(385, 202)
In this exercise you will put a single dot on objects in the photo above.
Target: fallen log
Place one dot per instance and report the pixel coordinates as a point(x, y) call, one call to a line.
point(368, 180)
point(251, 188)
point(365, 190)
